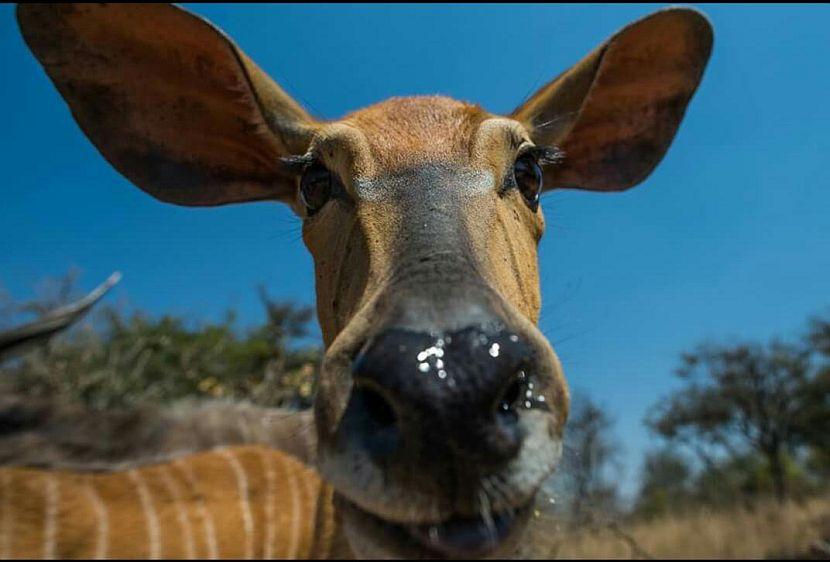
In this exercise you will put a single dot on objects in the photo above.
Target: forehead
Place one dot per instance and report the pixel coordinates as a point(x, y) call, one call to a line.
point(406, 132)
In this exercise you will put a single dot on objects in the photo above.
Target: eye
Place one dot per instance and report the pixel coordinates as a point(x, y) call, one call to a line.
point(315, 187)
point(528, 176)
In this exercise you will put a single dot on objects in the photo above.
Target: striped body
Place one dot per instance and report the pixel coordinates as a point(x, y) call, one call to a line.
point(236, 502)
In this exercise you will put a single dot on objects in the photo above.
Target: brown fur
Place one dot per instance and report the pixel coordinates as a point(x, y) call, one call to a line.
point(407, 132)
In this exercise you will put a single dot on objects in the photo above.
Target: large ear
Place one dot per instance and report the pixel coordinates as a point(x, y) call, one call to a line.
point(616, 111)
point(169, 100)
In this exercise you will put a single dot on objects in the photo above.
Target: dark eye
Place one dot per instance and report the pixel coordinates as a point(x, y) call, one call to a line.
point(528, 176)
point(315, 187)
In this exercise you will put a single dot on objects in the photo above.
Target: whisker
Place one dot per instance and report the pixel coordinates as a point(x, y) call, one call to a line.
point(555, 120)
point(487, 515)
point(501, 491)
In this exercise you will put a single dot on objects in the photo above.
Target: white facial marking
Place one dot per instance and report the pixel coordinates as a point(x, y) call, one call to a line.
point(462, 181)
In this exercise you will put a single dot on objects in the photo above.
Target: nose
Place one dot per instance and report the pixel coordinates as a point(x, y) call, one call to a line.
point(419, 397)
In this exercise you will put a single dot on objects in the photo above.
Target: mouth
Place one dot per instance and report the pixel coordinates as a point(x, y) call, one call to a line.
point(454, 537)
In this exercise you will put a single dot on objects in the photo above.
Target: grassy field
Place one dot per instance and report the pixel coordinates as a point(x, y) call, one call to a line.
point(766, 531)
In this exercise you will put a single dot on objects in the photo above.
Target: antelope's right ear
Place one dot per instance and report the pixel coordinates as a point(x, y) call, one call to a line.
point(169, 100)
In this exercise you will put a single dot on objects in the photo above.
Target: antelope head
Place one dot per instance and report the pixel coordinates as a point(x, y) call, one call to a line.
point(441, 405)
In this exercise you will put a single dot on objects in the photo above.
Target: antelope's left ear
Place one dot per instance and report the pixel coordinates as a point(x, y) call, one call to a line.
point(616, 112)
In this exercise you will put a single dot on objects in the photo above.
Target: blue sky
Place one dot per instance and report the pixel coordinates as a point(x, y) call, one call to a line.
point(728, 239)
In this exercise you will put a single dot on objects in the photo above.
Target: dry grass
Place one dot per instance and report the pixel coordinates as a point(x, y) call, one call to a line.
point(795, 530)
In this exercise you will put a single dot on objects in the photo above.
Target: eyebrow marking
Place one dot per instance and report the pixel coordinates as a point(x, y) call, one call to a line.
point(516, 140)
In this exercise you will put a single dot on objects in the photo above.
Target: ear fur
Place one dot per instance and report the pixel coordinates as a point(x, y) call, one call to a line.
point(616, 111)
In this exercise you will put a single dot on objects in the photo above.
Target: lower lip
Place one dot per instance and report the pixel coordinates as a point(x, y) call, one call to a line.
point(457, 537)
point(466, 537)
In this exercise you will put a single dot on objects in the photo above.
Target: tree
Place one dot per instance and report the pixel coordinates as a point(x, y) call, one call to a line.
point(741, 400)
point(815, 418)
point(666, 483)
point(591, 452)
point(818, 336)
point(127, 359)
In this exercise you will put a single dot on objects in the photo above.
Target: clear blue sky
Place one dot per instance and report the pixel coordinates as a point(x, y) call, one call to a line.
point(728, 239)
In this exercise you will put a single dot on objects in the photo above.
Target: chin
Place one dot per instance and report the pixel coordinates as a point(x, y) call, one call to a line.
point(495, 535)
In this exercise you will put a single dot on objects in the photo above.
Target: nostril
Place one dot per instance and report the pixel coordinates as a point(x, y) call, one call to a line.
point(512, 398)
point(370, 420)
point(377, 408)
point(503, 439)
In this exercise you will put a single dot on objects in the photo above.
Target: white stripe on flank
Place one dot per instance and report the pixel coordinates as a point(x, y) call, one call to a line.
point(150, 515)
point(244, 503)
point(100, 509)
point(6, 517)
point(270, 481)
point(308, 519)
point(295, 510)
point(181, 513)
point(207, 520)
point(50, 516)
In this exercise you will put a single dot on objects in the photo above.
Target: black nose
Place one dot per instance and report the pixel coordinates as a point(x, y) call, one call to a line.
point(459, 395)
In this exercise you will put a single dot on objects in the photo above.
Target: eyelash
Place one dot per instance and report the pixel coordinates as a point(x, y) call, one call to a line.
point(544, 155)
point(297, 164)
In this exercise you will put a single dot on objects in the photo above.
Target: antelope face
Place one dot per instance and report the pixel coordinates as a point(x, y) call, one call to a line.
point(440, 406)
